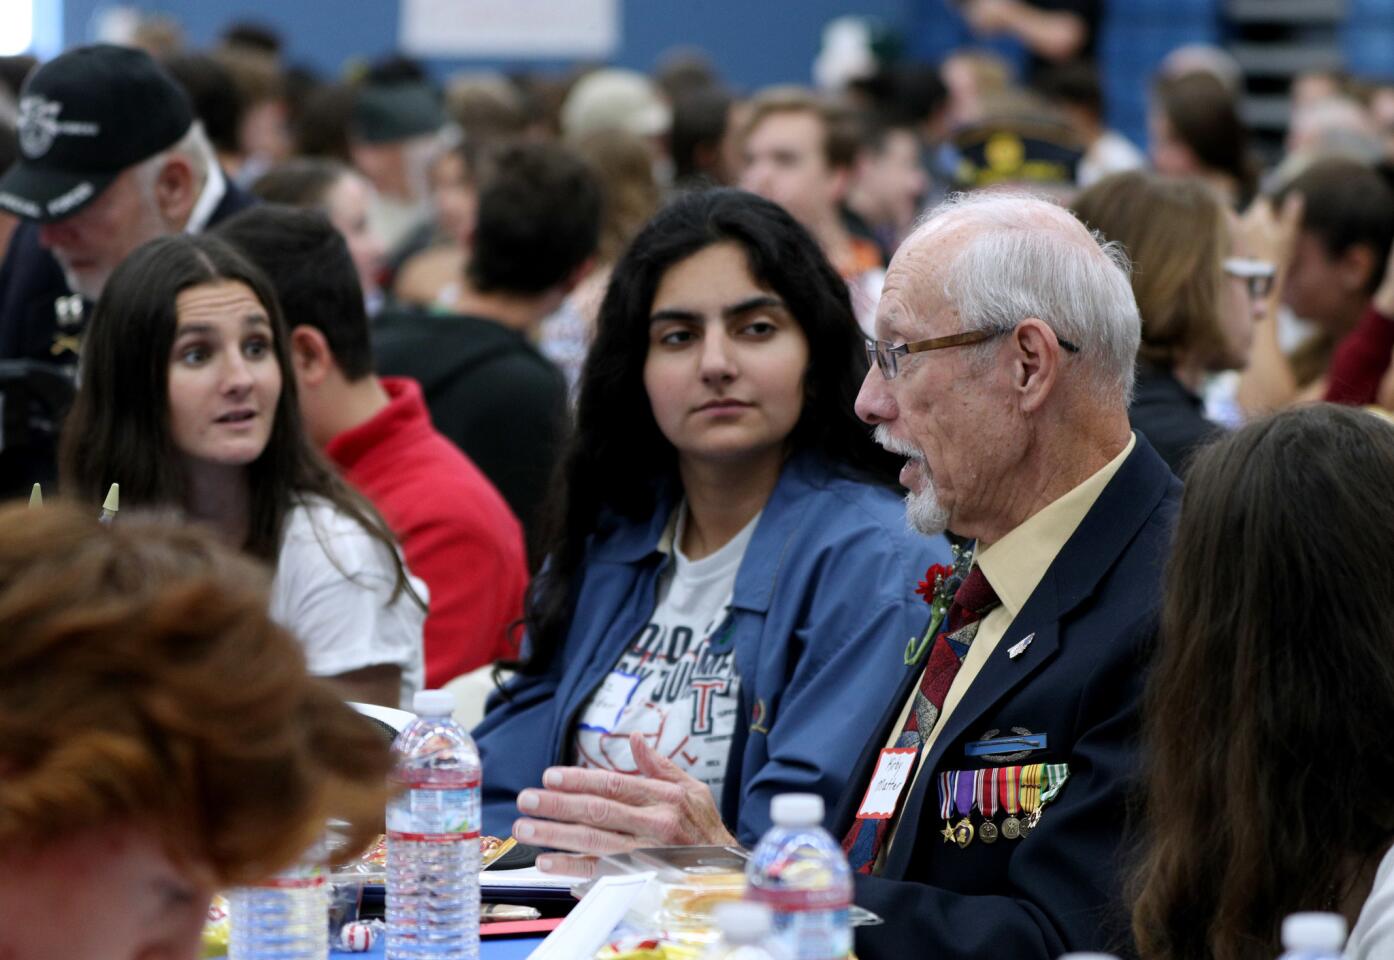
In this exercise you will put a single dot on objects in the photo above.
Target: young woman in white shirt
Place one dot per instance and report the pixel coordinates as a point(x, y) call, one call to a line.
point(187, 401)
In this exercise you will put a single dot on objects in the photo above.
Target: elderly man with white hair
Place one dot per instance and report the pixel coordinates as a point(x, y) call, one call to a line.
point(111, 156)
point(986, 816)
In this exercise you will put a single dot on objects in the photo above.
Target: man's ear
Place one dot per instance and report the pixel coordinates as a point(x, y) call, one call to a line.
point(310, 356)
point(842, 181)
point(1357, 267)
point(1036, 359)
point(176, 191)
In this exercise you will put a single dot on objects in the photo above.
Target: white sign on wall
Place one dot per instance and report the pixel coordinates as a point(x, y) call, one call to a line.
point(510, 28)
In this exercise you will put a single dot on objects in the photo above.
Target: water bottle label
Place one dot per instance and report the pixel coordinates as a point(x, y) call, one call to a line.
point(814, 934)
point(435, 814)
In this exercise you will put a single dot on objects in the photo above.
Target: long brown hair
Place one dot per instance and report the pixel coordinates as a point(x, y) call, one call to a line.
point(1268, 713)
point(118, 430)
point(1175, 232)
point(142, 681)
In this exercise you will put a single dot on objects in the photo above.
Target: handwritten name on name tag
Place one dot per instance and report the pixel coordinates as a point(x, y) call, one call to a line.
point(894, 768)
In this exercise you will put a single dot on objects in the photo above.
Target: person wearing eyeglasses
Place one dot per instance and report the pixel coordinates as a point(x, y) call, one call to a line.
point(1198, 294)
point(1005, 348)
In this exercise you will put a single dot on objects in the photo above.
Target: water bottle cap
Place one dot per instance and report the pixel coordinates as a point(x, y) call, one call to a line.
point(742, 921)
point(433, 703)
point(1314, 931)
point(797, 810)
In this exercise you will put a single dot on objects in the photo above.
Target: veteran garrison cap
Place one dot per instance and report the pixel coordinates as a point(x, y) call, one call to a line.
point(85, 116)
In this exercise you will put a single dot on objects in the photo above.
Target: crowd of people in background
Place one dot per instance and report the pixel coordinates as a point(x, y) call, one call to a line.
point(599, 383)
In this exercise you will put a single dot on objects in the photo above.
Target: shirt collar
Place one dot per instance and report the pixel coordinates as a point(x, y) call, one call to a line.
point(214, 189)
point(1015, 564)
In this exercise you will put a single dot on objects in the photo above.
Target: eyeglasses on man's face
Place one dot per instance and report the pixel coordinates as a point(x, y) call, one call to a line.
point(886, 356)
point(1257, 274)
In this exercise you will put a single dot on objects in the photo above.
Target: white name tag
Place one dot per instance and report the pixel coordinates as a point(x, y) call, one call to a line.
point(609, 701)
point(894, 768)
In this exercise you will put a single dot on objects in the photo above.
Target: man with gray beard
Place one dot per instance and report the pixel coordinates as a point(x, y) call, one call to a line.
point(1002, 372)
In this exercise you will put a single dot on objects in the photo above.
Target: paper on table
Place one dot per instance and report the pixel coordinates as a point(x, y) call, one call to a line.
point(525, 877)
point(588, 926)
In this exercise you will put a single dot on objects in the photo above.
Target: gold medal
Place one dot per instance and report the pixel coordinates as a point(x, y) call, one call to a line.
point(1010, 777)
point(948, 832)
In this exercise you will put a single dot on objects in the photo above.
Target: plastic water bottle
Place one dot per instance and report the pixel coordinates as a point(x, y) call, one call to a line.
point(746, 933)
point(285, 918)
point(1313, 936)
point(433, 838)
point(799, 872)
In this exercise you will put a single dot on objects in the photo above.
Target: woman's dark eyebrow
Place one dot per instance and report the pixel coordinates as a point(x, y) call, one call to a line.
point(762, 302)
point(248, 321)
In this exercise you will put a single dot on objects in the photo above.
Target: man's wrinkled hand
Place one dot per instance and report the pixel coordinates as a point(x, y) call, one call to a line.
point(597, 812)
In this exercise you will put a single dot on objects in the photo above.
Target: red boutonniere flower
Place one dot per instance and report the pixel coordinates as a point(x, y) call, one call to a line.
point(931, 581)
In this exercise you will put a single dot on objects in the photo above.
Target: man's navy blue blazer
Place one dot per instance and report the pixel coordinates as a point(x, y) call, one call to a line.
point(1079, 681)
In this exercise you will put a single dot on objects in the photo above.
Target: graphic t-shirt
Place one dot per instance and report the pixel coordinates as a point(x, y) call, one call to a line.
point(676, 682)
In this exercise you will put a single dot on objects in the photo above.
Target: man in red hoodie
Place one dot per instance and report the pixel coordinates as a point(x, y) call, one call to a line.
point(457, 532)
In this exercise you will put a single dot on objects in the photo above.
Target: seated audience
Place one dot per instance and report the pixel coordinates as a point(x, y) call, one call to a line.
point(159, 738)
point(456, 530)
point(488, 388)
point(727, 557)
point(799, 150)
point(1269, 707)
point(1194, 130)
point(343, 196)
point(1336, 263)
point(1192, 285)
point(188, 401)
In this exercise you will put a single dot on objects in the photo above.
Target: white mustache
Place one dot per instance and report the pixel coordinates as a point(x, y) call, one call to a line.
point(899, 447)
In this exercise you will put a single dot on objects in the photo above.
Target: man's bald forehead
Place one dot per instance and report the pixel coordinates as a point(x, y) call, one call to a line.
point(966, 215)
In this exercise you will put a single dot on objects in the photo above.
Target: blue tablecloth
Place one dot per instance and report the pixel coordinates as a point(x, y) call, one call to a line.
point(490, 948)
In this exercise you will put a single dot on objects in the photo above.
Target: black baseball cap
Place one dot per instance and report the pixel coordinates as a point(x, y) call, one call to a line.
point(84, 117)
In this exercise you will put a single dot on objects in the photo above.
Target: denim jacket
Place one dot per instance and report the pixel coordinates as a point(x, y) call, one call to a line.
point(822, 608)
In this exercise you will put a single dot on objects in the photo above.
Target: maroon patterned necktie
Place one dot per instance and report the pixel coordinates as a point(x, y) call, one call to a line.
point(972, 601)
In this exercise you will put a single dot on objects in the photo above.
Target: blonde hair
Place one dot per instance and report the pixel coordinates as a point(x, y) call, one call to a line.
point(1175, 232)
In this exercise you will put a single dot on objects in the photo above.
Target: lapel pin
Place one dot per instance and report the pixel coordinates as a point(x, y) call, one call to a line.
point(1018, 648)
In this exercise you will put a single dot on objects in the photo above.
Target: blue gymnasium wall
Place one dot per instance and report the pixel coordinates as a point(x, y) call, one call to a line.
point(753, 42)
point(756, 42)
